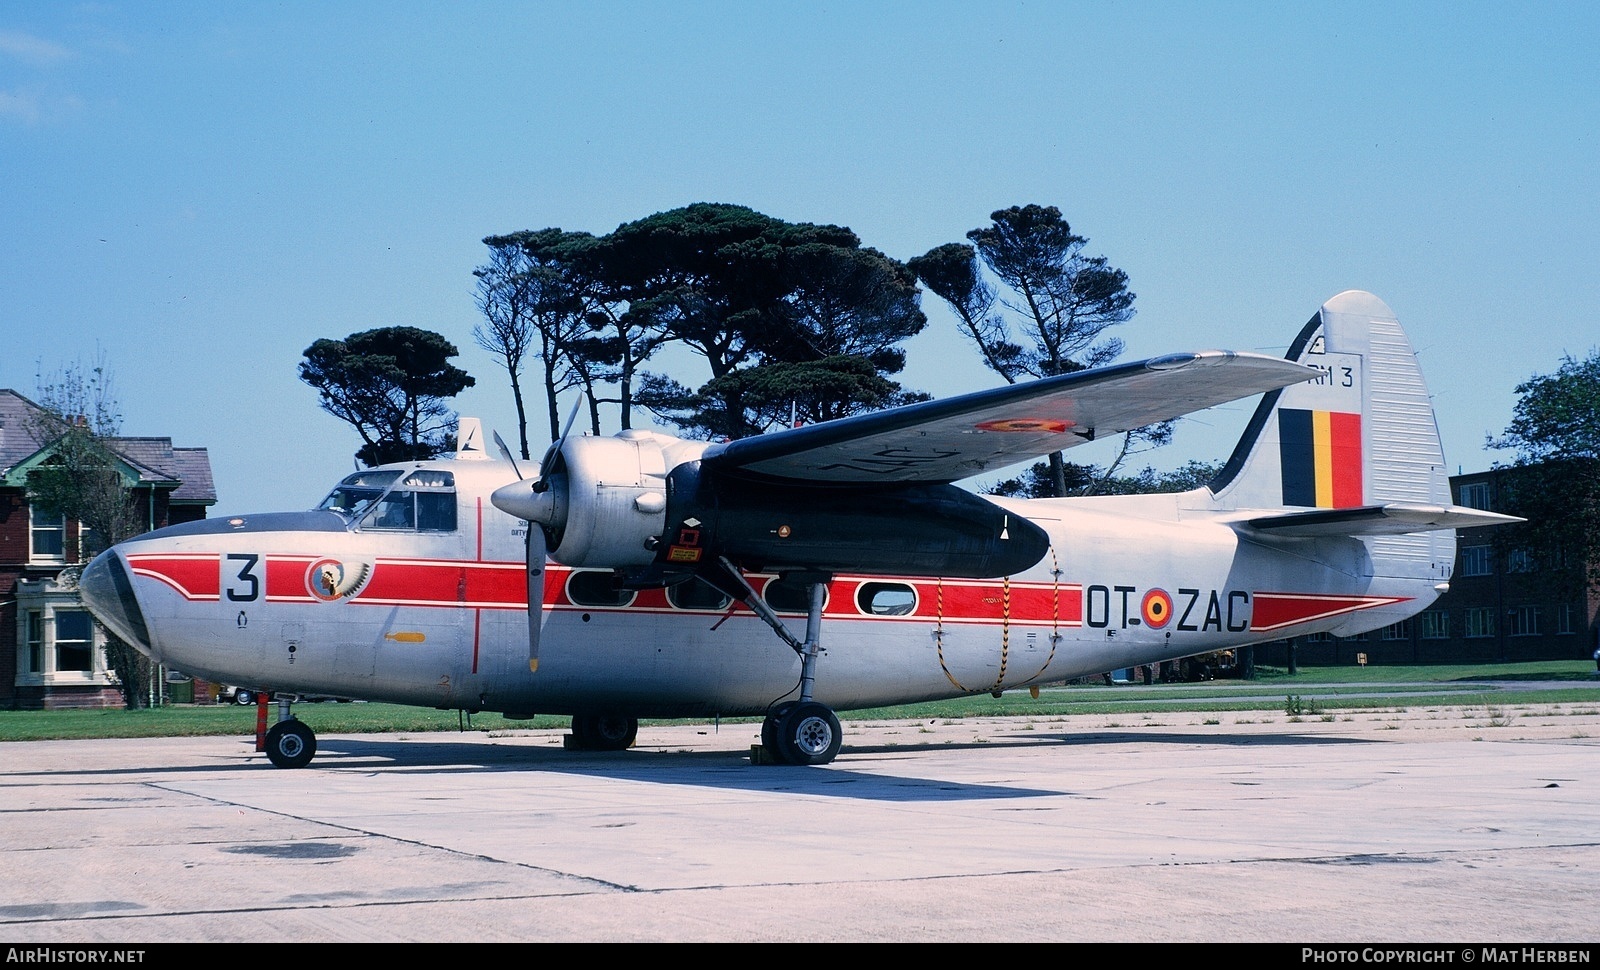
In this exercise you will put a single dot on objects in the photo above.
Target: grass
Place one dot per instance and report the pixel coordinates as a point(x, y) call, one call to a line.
point(1336, 689)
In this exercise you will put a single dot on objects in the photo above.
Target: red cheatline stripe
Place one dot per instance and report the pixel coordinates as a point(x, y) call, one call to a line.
point(1273, 611)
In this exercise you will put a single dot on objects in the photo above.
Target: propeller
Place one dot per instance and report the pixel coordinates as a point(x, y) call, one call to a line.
point(533, 552)
point(536, 503)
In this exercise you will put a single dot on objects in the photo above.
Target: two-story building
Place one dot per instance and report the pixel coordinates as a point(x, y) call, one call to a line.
point(51, 651)
point(1505, 603)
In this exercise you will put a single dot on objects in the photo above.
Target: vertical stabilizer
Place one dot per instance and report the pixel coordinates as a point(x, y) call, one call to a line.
point(1362, 435)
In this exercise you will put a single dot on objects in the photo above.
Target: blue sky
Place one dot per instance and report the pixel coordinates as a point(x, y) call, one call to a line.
point(197, 191)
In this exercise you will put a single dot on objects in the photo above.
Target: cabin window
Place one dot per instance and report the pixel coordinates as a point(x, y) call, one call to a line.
point(788, 596)
point(697, 594)
point(886, 599)
point(596, 588)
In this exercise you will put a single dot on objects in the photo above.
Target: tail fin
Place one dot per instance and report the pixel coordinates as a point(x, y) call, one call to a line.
point(1354, 453)
point(1362, 434)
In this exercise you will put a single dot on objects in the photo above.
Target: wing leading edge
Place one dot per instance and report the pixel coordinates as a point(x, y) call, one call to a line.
point(954, 438)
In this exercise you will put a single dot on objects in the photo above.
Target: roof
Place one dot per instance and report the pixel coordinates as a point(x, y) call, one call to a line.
point(187, 471)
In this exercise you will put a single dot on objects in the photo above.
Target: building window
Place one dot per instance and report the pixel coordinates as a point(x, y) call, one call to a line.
point(1523, 621)
point(1476, 495)
point(1477, 561)
point(57, 640)
point(47, 537)
point(74, 641)
point(1435, 624)
point(1520, 561)
point(33, 643)
point(1397, 631)
point(1480, 621)
point(1564, 619)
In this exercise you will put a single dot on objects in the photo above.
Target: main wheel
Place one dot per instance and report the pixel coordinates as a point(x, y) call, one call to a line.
point(809, 734)
point(290, 744)
point(769, 731)
point(604, 732)
point(243, 697)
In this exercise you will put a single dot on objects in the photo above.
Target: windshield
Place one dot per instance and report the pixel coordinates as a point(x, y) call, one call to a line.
point(352, 496)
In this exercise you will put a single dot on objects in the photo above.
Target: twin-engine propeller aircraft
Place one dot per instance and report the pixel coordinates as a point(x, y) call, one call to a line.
point(646, 576)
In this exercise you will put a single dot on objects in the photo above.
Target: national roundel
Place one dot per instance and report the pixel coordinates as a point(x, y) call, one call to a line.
point(1156, 608)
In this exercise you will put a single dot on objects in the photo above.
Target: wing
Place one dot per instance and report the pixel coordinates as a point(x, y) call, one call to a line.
point(958, 437)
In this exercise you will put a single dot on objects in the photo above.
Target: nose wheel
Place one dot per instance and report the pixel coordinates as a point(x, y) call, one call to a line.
point(290, 744)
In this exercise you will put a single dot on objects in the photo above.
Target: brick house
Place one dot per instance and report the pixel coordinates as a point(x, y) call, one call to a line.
point(51, 652)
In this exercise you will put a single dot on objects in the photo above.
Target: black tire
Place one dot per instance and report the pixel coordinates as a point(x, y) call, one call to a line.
point(809, 734)
point(769, 731)
point(290, 744)
point(604, 732)
point(244, 698)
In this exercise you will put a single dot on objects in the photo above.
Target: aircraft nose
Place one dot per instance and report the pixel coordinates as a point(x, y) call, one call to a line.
point(108, 593)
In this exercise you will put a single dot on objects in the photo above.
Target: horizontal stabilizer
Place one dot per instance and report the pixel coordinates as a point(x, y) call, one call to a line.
point(1376, 520)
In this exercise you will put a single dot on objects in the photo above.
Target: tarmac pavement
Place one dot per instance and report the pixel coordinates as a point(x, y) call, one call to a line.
point(1449, 825)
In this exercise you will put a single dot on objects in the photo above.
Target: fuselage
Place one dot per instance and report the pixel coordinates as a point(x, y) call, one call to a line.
point(432, 609)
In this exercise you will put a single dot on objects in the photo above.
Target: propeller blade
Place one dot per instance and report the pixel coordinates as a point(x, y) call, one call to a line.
point(555, 450)
point(506, 454)
point(534, 551)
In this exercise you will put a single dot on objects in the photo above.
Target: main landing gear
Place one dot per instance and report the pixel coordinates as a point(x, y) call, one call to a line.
point(802, 732)
point(602, 732)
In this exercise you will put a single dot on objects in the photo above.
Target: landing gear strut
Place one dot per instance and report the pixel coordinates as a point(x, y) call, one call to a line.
point(802, 732)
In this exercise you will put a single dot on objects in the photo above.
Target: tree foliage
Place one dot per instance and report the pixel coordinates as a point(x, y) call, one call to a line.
point(1097, 480)
point(83, 480)
point(777, 310)
point(1554, 478)
point(1049, 308)
point(391, 385)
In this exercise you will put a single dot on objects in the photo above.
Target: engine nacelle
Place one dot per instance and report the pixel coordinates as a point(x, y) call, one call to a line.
point(609, 499)
point(904, 530)
point(643, 503)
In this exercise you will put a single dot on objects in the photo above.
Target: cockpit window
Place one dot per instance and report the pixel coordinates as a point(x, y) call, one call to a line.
point(352, 496)
point(427, 478)
point(424, 502)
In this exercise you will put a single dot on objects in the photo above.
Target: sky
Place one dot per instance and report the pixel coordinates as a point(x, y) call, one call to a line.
point(192, 193)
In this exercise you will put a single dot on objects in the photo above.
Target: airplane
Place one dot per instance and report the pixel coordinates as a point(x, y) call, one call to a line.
point(831, 567)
